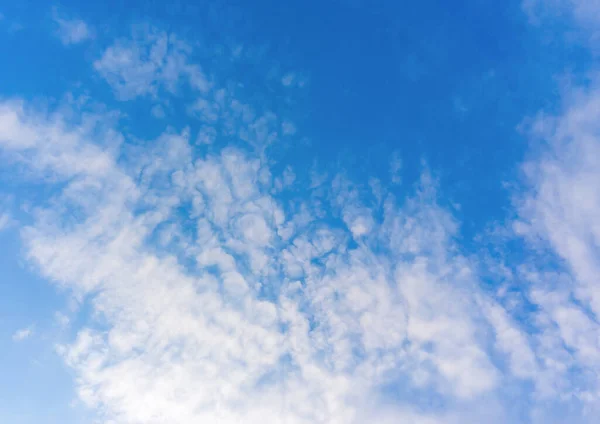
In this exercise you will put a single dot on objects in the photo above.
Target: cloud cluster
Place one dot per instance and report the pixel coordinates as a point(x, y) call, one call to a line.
point(559, 216)
point(220, 302)
point(223, 291)
point(149, 61)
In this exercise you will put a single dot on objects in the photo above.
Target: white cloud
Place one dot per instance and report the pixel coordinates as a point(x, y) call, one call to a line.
point(71, 31)
point(151, 60)
point(43, 142)
point(216, 300)
point(5, 220)
point(285, 180)
point(23, 334)
point(293, 79)
point(562, 207)
point(298, 329)
point(560, 213)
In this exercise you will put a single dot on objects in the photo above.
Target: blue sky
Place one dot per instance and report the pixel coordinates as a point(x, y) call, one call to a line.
point(299, 212)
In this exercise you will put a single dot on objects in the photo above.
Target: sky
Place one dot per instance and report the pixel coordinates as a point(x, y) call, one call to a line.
point(328, 212)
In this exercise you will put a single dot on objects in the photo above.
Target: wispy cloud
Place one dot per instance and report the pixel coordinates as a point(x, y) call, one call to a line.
point(10, 25)
point(218, 295)
point(5, 220)
point(582, 17)
point(585, 11)
point(151, 60)
point(71, 30)
point(282, 311)
point(23, 334)
point(559, 213)
point(283, 316)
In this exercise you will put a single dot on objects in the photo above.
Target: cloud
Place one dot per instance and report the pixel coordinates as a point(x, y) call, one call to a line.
point(558, 214)
point(23, 334)
point(288, 128)
point(62, 320)
point(222, 319)
point(585, 11)
point(46, 146)
point(288, 79)
point(71, 31)
point(6, 214)
point(5, 220)
point(158, 112)
point(150, 61)
point(583, 17)
point(218, 295)
point(293, 79)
